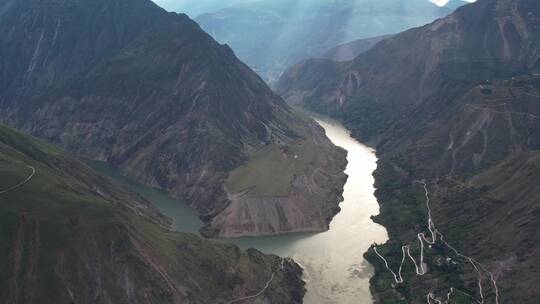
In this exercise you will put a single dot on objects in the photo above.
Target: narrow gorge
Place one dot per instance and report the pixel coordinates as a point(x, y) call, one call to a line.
point(335, 271)
point(269, 151)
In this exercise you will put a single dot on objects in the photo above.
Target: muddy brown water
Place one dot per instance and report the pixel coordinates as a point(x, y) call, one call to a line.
point(334, 268)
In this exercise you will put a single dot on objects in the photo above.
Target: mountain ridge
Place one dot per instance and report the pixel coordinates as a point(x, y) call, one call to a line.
point(349, 51)
point(292, 33)
point(453, 105)
point(149, 92)
point(71, 236)
point(429, 60)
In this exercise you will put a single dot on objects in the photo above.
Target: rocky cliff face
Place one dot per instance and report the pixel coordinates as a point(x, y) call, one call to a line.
point(454, 104)
point(271, 35)
point(124, 81)
point(70, 236)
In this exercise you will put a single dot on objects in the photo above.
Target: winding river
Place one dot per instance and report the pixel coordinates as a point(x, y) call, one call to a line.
point(334, 268)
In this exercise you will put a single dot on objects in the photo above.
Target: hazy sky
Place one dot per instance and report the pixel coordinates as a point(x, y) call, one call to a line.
point(443, 2)
point(440, 2)
point(195, 8)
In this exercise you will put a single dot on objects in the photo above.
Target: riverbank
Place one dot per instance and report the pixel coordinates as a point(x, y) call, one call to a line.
point(286, 187)
point(334, 268)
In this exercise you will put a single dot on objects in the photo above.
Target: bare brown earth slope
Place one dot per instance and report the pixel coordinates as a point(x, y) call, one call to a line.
point(68, 235)
point(455, 105)
point(124, 81)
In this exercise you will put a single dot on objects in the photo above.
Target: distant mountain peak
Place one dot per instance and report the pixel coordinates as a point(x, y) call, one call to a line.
point(271, 35)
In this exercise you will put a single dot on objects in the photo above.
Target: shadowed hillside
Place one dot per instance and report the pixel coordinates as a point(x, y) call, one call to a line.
point(455, 105)
point(70, 236)
point(124, 81)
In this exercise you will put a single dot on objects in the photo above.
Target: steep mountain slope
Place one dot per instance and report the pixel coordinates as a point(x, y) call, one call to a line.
point(351, 50)
point(454, 110)
point(478, 152)
point(464, 131)
point(478, 42)
point(70, 236)
point(504, 205)
point(487, 234)
point(124, 81)
point(271, 35)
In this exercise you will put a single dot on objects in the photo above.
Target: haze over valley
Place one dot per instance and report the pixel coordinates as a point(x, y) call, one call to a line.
point(269, 151)
point(271, 35)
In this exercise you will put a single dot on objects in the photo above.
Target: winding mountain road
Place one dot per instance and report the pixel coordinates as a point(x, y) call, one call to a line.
point(474, 107)
point(21, 183)
point(397, 277)
point(282, 266)
point(421, 270)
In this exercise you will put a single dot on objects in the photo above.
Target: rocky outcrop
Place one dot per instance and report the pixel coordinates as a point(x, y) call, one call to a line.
point(147, 91)
point(71, 236)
